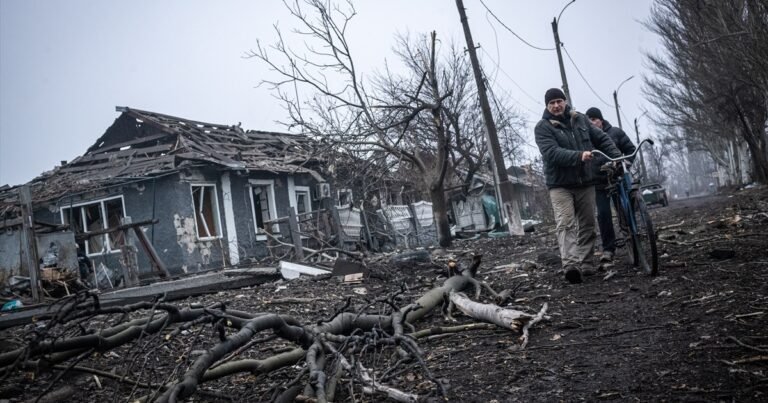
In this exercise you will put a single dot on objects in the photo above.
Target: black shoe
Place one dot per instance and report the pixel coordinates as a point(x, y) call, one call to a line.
point(573, 275)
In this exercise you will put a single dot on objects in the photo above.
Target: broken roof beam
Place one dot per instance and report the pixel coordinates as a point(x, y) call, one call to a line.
point(122, 162)
point(160, 148)
point(165, 117)
point(139, 140)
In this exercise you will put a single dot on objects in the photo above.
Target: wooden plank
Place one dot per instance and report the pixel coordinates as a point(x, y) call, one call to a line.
point(86, 235)
point(295, 235)
point(154, 258)
point(175, 289)
point(140, 140)
point(120, 163)
point(128, 256)
point(122, 153)
point(13, 222)
point(28, 242)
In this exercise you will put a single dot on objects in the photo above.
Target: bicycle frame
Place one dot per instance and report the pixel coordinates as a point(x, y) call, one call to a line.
point(624, 189)
point(623, 186)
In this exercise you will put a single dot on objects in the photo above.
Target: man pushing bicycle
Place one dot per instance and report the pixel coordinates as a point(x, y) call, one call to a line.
point(565, 139)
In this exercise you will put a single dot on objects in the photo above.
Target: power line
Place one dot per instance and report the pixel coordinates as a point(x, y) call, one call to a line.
point(498, 67)
point(496, 42)
point(499, 108)
point(584, 78)
point(621, 111)
point(510, 29)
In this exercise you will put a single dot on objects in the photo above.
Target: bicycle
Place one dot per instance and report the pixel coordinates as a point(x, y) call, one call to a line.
point(634, 221)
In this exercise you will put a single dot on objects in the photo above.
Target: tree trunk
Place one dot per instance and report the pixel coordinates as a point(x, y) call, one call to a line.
point(440, 213)
point(757, 148)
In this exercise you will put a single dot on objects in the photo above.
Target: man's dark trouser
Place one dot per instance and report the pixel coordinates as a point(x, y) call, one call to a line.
point(605, 220)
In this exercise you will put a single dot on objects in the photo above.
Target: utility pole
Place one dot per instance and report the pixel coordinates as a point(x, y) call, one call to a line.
point(643, 172)
point(504, 190)
point(560, 61)
point(616, 104)
point(616, 100)
point(29, 242)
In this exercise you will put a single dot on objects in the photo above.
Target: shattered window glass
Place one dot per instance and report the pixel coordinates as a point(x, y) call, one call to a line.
point(90, 217)
point(114, 210)
point(303, 204)
point(206, 211)
point(262, 209)
point(94, 222)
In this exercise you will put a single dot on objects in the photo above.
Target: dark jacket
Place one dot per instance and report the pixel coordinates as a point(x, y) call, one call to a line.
point(561, 142)
point(622, 142)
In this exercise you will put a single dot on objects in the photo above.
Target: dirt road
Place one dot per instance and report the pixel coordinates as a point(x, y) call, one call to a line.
point(696, 332)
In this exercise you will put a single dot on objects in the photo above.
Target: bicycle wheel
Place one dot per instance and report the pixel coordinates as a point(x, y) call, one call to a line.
point(644, 251)
point(622, 235)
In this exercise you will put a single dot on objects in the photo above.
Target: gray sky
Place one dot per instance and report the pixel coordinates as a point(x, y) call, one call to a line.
point(66, 64)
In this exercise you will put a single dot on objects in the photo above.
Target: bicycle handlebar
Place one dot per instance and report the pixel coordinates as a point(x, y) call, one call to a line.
point(624, 157)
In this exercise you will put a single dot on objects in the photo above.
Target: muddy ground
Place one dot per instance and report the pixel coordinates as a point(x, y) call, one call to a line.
point(696, 332)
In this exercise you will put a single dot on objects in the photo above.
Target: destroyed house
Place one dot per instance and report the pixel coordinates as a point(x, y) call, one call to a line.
point(213, 192)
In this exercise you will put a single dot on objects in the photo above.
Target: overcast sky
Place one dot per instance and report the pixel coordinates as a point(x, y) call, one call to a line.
point(66, 64)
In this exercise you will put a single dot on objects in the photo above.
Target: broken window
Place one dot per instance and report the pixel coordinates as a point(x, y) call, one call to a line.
point(344, 197)
point(94, 222)
point(206, 211)
point(114, 213)
point(90, 217)
point(303, 202)
point(263, 201)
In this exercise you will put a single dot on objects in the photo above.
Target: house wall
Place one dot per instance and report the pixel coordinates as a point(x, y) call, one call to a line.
point(51, 212)
point(169, 199)
point(10, 255)
point(252, 246)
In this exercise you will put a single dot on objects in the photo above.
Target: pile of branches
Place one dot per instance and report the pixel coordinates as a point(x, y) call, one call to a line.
point(329, 360)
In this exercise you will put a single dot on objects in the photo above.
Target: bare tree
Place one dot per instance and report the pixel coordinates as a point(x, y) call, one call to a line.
point(655, 158)
point(413, 118)
point(712, 81)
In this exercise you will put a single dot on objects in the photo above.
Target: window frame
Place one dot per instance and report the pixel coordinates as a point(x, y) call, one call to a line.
point(270, 184)
point(107, 248)
point(339, 192)
point(215, 205)
point(305, 190)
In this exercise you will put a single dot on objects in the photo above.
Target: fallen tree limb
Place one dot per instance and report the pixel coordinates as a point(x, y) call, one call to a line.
point(433, 331)
point(341, 334)
point(536, 319)
point(748, 360)
point(507, 318)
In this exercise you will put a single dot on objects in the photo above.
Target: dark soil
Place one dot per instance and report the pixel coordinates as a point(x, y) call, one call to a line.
point(696, 332)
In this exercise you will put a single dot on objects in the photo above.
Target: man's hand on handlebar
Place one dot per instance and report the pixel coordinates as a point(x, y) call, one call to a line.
point(608, 167)
point(586, 155)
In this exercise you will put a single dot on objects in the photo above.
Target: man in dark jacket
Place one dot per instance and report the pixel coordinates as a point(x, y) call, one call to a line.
point(566, 140)
point(604, 215)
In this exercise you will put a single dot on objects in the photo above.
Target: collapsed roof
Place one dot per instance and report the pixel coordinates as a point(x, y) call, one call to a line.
point(142, 145)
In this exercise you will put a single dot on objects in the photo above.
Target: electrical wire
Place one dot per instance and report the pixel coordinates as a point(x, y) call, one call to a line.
point(510, 29)
point(498, 67)
point(584, 78)
point(621, 111)
point(497, 47)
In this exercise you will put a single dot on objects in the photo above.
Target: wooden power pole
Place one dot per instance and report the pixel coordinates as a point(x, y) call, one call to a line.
point(510, 209)
point(29, 242)
point(566, 89)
